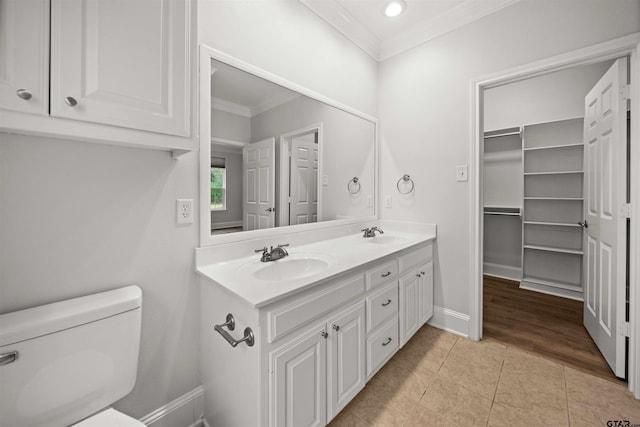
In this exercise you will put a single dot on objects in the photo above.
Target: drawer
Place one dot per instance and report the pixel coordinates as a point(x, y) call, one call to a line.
point(415, 257)
point(290, 316)
point(381, 345)
point(384, 273)
point(381, 305)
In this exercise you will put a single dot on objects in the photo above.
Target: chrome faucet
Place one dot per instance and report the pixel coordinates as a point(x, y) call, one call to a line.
point(371, 232)
point(273, 254)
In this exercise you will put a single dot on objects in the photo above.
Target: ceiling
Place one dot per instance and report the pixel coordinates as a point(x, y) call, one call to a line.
point(363, 21)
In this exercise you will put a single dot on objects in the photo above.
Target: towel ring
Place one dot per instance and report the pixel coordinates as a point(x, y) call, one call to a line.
point(352, 185)
point(405, 178)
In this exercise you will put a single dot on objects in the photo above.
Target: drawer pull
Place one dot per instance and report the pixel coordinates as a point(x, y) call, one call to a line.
point(387, 274)
point(387, 342)
point(7, 358)
point(384, 304)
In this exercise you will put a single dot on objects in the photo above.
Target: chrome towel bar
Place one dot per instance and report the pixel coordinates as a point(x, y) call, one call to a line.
point(231, 325)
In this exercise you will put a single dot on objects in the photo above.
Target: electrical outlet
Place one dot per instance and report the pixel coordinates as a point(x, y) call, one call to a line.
point(387, 201)
point(325, 180)
point(462, 173)
point(184, 211)
point(369, 201)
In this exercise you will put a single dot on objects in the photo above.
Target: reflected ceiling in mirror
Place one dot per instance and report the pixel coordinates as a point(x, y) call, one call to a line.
point(280, 158)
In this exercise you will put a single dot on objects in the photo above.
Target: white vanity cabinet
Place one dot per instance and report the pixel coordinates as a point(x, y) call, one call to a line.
point(124, 64)
point(416, 291)
point(314, 349)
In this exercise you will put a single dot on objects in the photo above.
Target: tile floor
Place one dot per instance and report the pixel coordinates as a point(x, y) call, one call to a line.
point(440, 379)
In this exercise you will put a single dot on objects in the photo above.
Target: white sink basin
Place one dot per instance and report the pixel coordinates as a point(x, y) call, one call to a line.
point(292, 267)
point(385, 239)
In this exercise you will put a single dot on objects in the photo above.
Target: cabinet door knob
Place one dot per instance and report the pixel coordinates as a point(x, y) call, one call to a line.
point(336, 327)
point(24, 94)
point(386, 303)
point(324, 334)
point(419, 274)
point(422, 273)
point(71, 101)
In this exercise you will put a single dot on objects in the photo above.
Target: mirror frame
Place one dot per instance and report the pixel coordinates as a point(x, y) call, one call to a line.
point(204, 92)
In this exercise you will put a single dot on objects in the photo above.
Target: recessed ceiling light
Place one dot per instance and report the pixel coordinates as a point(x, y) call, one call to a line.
point(394, 8)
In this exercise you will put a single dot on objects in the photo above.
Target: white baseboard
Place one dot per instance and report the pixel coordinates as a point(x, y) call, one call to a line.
point(502, 271)
point(450, 321)
point(186, 410)
point(228, 224)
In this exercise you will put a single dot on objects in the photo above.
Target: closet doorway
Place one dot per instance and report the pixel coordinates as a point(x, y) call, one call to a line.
point(549, 172)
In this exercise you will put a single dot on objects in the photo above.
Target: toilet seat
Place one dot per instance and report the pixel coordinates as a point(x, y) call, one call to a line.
point(109, 418)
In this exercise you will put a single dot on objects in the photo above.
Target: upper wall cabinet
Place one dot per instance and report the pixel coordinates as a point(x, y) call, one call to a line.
point(115, 66)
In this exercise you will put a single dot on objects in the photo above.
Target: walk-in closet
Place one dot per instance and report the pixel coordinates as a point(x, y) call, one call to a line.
point(533, 192)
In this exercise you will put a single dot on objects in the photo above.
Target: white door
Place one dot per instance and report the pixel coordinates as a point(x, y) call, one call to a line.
point(299, 381)
point(24, 55)
point(303, 188)
point(409, 286)
point(122, 63)
point(258, 171)
point(605, 153)
point(425, 279)
point(346, 357)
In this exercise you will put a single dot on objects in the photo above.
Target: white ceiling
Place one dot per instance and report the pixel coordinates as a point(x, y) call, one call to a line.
point(365, 24)
point(239, 92)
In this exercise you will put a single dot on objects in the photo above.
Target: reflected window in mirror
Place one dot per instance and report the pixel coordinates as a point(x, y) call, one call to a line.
point(218, 184)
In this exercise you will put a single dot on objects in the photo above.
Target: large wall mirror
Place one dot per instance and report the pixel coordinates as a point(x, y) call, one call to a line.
point(279, 155)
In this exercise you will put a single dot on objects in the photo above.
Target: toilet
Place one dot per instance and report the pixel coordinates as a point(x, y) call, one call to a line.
point(65, 363)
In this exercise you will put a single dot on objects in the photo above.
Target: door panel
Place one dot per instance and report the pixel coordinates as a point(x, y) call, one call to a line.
point(409, 306)
point(258, 164)
point(605, 234)
point(303, 200)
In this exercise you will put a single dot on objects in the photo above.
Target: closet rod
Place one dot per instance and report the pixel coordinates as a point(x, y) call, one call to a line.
point(503, 132)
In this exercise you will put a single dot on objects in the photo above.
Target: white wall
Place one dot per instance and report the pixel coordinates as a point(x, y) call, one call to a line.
point(230, 126)
point(547, 98)
point(425, 111)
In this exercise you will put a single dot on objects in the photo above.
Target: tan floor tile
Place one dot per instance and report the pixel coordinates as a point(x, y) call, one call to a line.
point(346, 418)
point(533, 386)
point(503, 416)
point(424, 355)
point(424, 417)
point(404, 378)
point(456, 403)
point(435, 337)
point(476, 365)
point(603, 399)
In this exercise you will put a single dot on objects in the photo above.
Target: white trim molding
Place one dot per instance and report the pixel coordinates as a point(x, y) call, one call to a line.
point(624, 46)
point(450, 321)
point(186, 410)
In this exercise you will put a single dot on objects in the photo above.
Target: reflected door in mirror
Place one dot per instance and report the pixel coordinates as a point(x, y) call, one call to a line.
point(258, 164)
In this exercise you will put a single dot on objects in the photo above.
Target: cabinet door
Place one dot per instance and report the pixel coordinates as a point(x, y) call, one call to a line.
point(24, 55)
point(299, 380)
point(426, 291)
point(122, 62)
point(346, 354)
point(409, 305)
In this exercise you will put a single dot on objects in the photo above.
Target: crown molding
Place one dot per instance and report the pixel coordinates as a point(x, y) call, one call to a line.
point(230, 107)
point(463, 14)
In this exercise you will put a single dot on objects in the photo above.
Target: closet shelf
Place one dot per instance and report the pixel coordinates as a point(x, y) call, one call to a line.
point(503, 210)
point(553, 249)
point(579, 199)
point(503, 132)
point(552, 147)
point(553, 283)
point(556, 224)
point(553, 173)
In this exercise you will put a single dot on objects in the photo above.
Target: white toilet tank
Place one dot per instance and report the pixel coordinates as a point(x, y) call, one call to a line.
point(73, 358)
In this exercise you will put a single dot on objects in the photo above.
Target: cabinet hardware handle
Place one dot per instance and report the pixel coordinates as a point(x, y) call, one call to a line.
point(24, 94)
point(7, 358)
point(422, 273)
point(324, 334)
point(336, 328)
point(418, 275)
point(384, 304)
point(387, 274)
point(248, 336)
point(386, 343)
point(71, 101)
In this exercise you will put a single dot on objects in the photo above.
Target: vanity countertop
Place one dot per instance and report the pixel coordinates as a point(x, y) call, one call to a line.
point(262, 283)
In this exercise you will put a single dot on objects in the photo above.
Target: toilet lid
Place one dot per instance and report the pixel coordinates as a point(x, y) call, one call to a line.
point(109, 418)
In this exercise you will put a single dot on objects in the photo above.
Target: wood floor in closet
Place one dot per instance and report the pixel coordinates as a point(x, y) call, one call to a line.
point(542, 324)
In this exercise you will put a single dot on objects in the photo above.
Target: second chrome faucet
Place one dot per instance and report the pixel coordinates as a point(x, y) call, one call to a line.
point(371, 232)
point(273, 254)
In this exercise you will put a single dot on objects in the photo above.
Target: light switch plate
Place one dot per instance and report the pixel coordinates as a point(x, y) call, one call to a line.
point(462, 173)
point(184, 211)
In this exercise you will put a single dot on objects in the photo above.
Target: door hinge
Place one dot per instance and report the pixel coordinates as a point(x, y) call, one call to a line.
point(624, 329)
point(625, 210)
point(625, 91)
